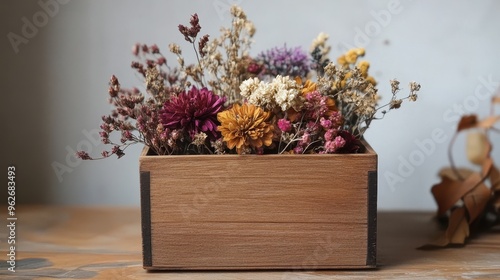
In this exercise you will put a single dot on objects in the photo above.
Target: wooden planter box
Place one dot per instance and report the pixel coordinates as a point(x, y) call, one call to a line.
point(217, 212)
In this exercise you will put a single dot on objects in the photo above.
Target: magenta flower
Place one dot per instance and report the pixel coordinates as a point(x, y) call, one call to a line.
point(306, 138)
point(316, 105)
point(312, 127)
point(195, 111)
point(338, 142)
point(337, 119)
point(330, 134)
point(352, 144)
point(298, 150)
point(325, 123)
point(341, 142)
point(334, 145)
point(284, 125)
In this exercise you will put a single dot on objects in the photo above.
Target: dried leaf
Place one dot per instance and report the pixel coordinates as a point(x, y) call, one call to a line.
point(488, 122)
point(456, 233)
point(478, 147)
point(495, 178)
point(458, 228)
point(476, 200)
point(487, 166)
point(452, 174)
point(466, 122)
point(495, 186)
point(449, 191)
point(470, 187)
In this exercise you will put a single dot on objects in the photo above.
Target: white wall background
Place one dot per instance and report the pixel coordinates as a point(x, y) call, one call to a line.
point(55, 87)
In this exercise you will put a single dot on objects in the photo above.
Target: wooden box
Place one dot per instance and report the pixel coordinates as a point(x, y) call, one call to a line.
point(218, 212)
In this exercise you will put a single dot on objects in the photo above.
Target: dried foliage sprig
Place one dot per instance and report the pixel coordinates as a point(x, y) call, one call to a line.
point(227, 57)
point(284, 100)
point(469, 201)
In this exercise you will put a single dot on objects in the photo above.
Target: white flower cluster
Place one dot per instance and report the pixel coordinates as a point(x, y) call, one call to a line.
point(281, 92)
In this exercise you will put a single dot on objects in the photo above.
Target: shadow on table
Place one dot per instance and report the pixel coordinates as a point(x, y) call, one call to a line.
point(401, 233)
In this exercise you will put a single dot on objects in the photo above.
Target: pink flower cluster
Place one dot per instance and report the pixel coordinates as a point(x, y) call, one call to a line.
point(322, 133)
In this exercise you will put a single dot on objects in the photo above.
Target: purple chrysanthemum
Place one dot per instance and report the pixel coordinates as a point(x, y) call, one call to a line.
point(286, 62)
point(194, 111)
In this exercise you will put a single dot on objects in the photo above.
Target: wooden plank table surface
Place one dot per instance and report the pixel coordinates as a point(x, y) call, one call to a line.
point(105, 243)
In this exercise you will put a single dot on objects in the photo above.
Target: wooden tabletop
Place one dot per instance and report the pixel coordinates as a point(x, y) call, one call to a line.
point(105, 243)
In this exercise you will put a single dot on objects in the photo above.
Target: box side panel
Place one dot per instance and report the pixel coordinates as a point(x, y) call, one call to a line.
point(147, 259)
point(258, 245)
point(260, 190)
point(236, 213)
point(371, 259)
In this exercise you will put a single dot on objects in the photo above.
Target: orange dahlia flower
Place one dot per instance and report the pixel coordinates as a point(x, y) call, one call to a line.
point(245, 126)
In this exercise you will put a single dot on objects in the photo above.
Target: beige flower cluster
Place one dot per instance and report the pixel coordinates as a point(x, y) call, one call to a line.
point(282, 92)
point(356, 95)
point(320, 42)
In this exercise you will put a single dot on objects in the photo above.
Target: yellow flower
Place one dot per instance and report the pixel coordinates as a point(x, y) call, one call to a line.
point(360, 51)
point(344, 81)
point(342, 61)
point(245, 126)
point(351, 56)
point(332, 107)
point(363, 67)
point(307, 87)
point(371, 80)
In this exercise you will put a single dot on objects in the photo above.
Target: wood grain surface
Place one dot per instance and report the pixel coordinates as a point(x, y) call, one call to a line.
point(259, 212)
point(105, 243)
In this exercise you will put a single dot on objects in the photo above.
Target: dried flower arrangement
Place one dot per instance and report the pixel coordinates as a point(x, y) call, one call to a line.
point(283, 100)
point(469, 201)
